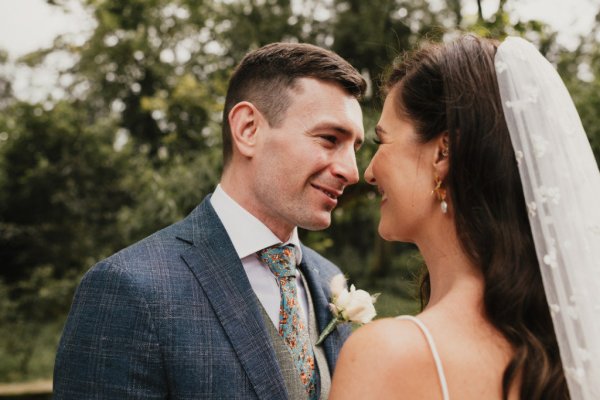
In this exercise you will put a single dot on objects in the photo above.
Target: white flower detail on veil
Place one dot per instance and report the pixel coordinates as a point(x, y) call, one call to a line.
point(500, 66)
point(577, 373)
point(540, 145)
point(519, 156)
point(531, 94)
point(532, 209)
point(595, 229)
point(550, 259)
point(548, 194)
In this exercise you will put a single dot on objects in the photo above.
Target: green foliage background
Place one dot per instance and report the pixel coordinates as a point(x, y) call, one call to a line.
point(134, 144)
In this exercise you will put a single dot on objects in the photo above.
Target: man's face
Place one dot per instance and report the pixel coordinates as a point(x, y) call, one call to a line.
point(305, 162)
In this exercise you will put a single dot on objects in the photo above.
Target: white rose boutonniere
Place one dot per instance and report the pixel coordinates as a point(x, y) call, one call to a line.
point(348, 305)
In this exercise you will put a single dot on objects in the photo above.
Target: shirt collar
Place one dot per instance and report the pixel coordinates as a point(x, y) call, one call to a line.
point(247, 233)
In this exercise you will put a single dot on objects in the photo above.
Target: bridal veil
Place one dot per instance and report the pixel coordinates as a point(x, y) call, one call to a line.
point(561, 183)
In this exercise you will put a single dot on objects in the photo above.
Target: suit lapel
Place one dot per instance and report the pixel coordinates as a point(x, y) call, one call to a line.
point(219, 271)
point(320, 298)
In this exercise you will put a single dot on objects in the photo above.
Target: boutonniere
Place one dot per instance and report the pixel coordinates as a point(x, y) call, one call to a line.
point(348, 305)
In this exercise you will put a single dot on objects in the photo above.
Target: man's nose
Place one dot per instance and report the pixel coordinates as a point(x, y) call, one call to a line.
point(345, 166)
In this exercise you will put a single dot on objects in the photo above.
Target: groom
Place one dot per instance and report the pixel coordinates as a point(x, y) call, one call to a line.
point(199, 309)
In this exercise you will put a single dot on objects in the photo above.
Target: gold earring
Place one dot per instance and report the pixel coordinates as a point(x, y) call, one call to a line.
point(440, 194)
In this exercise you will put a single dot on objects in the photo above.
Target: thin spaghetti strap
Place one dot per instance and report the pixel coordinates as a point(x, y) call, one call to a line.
point(436, 355)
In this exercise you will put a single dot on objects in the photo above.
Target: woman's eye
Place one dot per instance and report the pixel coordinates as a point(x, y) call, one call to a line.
point(330, 138)
point(376, 141)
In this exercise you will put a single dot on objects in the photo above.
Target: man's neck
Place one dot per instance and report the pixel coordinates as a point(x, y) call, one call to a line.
point(235, 190)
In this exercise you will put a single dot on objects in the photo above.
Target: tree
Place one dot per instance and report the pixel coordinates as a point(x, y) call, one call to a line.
point(60, 189)
point(580, 69)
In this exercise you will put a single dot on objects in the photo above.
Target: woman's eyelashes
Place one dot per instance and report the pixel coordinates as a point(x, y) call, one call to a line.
point(377, 141)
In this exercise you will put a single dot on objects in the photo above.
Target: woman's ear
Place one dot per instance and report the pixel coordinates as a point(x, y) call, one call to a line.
point(244, 122)
point(442, 155)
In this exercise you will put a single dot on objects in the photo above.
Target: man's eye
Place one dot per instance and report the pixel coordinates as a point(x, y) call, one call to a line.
point(330, 138)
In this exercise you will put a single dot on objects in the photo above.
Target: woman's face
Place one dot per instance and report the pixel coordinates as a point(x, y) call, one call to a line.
point(403, 170)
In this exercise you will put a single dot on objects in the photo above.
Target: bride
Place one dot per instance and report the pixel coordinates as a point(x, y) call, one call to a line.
point(483, 164)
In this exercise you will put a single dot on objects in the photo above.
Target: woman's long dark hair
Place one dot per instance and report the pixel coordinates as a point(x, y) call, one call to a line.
point(453, 88)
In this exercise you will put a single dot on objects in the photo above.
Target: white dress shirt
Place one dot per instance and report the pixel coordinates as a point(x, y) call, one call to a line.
point(249, 235)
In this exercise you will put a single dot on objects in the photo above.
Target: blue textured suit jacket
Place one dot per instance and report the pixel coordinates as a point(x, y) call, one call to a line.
point(174, 316)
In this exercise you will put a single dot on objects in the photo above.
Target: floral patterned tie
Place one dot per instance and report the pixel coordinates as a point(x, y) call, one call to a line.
point(293, 329)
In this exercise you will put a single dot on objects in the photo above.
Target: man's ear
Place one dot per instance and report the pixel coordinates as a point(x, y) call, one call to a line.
point(442, 155)
point(244, 122)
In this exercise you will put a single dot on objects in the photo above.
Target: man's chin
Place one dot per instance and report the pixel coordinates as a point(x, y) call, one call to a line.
point(317, 224)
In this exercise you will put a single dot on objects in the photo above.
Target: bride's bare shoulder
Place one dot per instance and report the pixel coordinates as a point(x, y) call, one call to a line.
point(387, 356)
point(386, 334)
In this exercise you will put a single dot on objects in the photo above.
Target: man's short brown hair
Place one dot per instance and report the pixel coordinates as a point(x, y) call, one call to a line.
point(264, 76)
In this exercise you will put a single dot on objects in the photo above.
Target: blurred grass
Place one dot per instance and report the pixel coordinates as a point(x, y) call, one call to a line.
point(27, 350)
